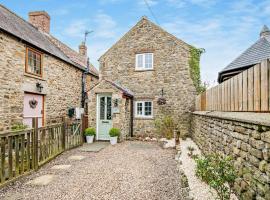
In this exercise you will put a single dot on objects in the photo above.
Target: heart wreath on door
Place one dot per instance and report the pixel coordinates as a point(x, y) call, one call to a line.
point(33, 103)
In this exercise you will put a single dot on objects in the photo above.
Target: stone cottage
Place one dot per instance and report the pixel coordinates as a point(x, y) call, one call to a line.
point(143, 77)
point(39, 75)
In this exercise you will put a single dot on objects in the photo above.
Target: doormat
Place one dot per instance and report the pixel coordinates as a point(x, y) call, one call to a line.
point(94, 147)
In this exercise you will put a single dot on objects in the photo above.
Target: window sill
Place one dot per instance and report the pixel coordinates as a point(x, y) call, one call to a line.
point(143, 70)
point(33, 76)
point(144, 118)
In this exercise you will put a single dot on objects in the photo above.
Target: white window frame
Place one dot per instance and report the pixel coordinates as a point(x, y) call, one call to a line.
point(143, 109)
point(144, 62)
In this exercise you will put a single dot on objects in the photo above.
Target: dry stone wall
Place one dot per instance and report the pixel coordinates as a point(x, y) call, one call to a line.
point(248, 143)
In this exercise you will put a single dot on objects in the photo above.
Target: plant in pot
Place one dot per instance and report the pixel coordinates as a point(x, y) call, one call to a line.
point(90, 134)
point(114, 134)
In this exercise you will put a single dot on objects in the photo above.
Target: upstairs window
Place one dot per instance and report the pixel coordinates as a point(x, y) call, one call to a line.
point(33, 62)
point(144, 61)
point(144, 109)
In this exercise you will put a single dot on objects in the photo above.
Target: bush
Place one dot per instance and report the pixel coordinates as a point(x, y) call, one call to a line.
point(218, 172)
point(165, 127)
point(90, 132)
point(114, 132)
point(18, 127)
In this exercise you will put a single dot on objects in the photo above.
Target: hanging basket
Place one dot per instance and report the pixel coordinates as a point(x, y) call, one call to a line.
point(161, 101)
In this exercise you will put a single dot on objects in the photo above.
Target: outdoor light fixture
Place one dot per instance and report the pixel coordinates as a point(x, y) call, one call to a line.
point(161, 100)
point(39, 87)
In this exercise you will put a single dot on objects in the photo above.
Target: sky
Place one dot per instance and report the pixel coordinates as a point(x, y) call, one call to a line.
point(224, 28)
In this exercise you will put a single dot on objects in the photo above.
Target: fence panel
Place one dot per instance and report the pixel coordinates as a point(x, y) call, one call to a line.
point(247, 91)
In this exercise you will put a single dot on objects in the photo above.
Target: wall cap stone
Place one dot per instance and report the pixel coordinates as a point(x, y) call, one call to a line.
point(246, 117)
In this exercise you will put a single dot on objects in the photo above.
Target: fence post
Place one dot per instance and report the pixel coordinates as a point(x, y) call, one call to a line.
point(64, 133)
point(82, 128)
point(35, 141)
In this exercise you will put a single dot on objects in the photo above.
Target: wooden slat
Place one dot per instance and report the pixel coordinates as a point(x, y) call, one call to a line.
point(236, 93)
point(22, 153)
point(28, 152)
point(257, 87)
point(17, 156)
point(245, 91)
point(265, 82)
point(10, 157)
point(232, 94)
point(3, 158)
point(240, 91)
point(251, 89)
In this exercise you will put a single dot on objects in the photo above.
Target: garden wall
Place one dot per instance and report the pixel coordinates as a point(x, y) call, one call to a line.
point(246, 137)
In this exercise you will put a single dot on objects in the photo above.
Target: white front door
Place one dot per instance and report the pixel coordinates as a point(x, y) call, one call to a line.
point(104, 116)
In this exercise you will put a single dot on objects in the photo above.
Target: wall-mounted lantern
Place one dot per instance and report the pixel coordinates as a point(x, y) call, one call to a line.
point(39, 87)
point(161, 100)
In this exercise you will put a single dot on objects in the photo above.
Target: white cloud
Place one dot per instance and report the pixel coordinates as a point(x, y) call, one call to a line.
point(183, 3)
point(105, 26)
point(76, 28)
point(150, 2)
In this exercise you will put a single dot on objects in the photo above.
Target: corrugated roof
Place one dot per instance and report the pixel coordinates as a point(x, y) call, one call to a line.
point(20, 28)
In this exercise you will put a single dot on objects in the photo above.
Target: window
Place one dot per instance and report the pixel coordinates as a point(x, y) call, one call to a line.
point(144, 61)
point(144, 109)
point(33, 62)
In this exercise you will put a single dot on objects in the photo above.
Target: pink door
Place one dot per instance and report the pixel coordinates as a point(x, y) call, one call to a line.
point(33, 107)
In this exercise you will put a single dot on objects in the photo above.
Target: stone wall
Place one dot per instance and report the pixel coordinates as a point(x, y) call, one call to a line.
point(170, 73)
point(61, 82)
point(247, 142)
point(120, 119)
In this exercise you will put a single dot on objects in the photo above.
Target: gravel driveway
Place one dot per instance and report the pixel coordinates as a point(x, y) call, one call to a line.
point(129, 170)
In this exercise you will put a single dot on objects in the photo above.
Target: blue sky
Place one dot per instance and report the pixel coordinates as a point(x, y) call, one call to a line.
point(223, 28)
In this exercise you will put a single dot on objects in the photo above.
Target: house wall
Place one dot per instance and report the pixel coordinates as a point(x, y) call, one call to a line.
point(121, 119)
point(171, 73)
point(246, 141)
point(61, 82)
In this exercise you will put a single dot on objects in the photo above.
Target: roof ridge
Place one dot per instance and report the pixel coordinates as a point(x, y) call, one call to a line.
point(1, 5)
point(135, 26)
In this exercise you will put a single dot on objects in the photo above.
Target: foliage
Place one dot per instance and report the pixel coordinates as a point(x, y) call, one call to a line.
point(191, 150)
point(218, 172)
point(194, 66)
point(165, 126)
point(19, 127)
point(114, 132)
point(90, 132)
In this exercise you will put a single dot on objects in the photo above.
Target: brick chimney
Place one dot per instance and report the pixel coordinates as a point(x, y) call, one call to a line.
point(83, 49)
point(265, 32)
point(41, 20)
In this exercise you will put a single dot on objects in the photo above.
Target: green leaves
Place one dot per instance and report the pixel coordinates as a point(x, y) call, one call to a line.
point(114, 132)
point(218, 172)
point(165, 126)
point(194, 66)
point(89, 132)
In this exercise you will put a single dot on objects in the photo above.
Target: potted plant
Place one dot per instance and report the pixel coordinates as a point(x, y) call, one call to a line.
point(114, 134)
point(90, 134)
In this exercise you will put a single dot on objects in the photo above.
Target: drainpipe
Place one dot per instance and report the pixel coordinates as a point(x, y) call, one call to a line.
point(131, 116)
point(84, 74)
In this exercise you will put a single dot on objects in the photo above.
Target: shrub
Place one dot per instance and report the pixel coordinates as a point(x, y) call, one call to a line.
point(165, 126)
point(114, 132)
point(218, 172)
point(90, 132)
point(18, 127)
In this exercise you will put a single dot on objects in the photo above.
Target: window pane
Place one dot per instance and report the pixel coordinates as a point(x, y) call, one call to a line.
point(109, 108)
point(139, 61)
point(148, 108)
point(34, 62)
point(101, 108)
point(139, 109)
point(148, 60)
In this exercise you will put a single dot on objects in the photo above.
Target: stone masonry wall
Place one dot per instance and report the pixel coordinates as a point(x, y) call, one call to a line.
point(170, 73)
point(61, 82)
point(248, 143)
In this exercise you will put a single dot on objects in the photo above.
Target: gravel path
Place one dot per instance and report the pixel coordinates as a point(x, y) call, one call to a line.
point(130, 170)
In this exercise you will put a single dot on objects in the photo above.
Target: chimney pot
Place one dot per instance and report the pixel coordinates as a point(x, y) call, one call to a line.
point(41, 20)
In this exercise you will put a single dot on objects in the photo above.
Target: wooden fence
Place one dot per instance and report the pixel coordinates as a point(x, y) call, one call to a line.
point(247, 91)
point(24, 151)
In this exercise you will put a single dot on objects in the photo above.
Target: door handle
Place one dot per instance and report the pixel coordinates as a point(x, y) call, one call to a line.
point(105, 122)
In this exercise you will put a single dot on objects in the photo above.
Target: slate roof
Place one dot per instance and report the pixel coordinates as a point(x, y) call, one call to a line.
point(253, 55)
point(20, 28)
point(125, 91)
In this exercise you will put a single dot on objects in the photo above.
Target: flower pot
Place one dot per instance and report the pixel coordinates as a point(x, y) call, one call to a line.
point(113, 140)
point(89, 139)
